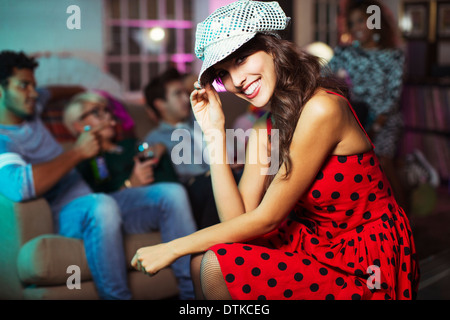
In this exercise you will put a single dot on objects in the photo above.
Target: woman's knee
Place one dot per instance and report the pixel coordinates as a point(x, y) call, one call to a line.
point(212, 281)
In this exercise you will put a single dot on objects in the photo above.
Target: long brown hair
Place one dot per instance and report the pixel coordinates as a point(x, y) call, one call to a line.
point(299, 75)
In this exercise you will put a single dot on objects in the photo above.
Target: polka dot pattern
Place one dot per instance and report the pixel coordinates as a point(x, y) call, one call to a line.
point(347, 222)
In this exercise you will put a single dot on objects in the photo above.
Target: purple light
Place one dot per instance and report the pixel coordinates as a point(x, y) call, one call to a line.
point(168, 24)
point(182, 57)
point(219, 87)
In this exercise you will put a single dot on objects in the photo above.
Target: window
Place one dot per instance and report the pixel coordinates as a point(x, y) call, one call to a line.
point(145, 37)
point(326, 22)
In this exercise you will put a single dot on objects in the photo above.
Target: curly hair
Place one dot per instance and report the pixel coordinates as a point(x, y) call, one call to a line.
point(10, 60)
point(299, 75)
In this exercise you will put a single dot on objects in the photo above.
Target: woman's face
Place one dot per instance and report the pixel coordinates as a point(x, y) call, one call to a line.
point(358, 28)
point(251, 78)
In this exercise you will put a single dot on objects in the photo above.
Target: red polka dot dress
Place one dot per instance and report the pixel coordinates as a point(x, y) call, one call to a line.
point(347, 238)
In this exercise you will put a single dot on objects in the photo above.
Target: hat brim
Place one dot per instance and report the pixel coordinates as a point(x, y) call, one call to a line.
point(218, 52)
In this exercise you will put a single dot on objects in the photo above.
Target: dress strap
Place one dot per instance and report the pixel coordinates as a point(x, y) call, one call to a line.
point(269, 125)
point(354, 114)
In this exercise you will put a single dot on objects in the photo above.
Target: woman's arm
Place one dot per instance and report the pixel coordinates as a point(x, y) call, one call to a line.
point(316, 136)
point(252, 183)
point(208, 112)
point(231, 200)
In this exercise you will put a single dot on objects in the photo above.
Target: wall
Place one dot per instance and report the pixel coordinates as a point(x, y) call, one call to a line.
point(34, 26)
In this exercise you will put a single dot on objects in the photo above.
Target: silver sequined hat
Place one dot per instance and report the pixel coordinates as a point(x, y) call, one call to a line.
point(231, 26)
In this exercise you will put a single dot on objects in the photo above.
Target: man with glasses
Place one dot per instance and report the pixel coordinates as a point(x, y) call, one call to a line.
point(33, 164)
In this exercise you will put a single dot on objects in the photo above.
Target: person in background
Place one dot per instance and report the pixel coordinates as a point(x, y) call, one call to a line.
point(34, 165)
point(374, 66)
point(316, 227)
point(167, 98)
point(145, 189)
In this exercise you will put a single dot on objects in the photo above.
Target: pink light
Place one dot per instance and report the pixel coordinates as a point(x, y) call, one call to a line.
point(219, 87)
point(182, 57)
point(168, 24)
point(216, 4)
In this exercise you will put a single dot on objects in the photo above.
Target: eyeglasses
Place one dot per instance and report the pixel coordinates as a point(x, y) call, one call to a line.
point(100, 112)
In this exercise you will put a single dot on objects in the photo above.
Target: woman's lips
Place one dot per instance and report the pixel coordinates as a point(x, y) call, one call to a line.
point(252, 90)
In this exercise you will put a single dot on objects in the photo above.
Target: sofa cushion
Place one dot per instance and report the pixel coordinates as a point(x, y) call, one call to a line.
point(44, 260)
point(133, 242)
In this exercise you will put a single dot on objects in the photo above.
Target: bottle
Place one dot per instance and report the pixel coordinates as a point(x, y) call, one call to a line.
point(98, 165)
point(99, 169)
point(145, 152)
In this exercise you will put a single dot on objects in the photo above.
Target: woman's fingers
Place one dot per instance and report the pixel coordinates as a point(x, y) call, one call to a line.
point(137, 264)
point(212, 93)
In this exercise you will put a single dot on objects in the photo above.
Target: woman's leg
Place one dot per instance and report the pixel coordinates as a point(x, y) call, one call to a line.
point(211, 278)
point(196, 262)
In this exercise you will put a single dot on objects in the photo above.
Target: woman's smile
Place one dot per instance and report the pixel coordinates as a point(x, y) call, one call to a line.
point(253, 89)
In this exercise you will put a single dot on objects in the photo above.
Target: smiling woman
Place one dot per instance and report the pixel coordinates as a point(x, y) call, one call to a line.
point(316, 228)
point(248, 75)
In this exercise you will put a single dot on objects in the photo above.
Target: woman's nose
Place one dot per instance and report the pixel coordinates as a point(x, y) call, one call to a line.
point(238, 78)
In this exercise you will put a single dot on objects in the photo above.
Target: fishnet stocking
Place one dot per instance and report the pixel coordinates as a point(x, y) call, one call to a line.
point(207, 278)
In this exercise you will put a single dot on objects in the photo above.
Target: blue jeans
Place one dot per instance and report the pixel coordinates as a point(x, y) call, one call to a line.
point(100, 221)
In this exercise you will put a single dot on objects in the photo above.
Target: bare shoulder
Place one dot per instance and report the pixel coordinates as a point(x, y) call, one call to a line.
point(324, 102)
point(324, 107)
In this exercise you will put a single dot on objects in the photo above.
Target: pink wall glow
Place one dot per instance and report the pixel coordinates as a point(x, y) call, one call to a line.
point(215, 4)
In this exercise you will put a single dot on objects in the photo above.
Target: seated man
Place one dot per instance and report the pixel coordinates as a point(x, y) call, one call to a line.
point(33, 164)
point(163, 206)
point(167, 98)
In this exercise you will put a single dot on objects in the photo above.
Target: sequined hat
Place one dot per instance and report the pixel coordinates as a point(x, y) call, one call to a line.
point(233, 25)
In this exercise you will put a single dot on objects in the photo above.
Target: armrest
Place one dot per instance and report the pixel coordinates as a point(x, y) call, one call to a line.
point(24, 220)
point(19, 222)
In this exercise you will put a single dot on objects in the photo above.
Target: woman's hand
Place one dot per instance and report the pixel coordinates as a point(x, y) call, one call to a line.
point(207, 109)
point(154, 258)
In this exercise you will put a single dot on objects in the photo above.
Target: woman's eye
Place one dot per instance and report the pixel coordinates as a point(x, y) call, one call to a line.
point(240, 60)
point(221, 74)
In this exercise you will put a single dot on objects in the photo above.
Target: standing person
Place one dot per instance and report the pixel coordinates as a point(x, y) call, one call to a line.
point(144, 205)
point(167, 98)
point(312, 230)
point(33, 164)
point(374, 65)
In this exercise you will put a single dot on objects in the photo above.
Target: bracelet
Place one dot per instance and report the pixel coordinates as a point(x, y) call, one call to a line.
point(127, 184)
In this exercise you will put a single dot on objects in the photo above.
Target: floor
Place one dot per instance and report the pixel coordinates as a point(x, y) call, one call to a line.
point(432, 238)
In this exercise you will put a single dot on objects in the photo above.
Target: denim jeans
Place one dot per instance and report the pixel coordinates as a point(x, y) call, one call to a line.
point(100, 221)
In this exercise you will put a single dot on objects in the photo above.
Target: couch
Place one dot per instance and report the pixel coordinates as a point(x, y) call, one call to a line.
point(35, 263)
